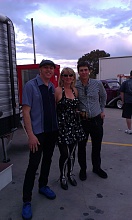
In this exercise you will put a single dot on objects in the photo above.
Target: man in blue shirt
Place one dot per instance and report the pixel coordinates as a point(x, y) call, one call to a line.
point(92, 97)
point(40, 121)
point(126, 96)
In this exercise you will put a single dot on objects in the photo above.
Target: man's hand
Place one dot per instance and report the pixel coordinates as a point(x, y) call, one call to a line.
point(33, 143)
point(102, 115)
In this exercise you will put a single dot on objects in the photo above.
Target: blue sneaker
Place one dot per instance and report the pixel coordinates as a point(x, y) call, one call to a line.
point(46, 191)
point(26, 211)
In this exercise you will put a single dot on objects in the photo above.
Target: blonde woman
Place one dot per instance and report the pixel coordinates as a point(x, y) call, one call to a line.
point(70, 130)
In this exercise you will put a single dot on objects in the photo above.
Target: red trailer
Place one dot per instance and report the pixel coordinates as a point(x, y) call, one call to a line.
point(29, 71)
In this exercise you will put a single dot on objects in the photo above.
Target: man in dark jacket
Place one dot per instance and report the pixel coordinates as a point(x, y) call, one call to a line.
point(126, 96)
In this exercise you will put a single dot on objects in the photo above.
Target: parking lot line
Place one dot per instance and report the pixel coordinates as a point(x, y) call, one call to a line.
point(117, 144)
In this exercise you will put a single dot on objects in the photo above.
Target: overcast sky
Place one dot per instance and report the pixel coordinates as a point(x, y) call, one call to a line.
point(65, 30)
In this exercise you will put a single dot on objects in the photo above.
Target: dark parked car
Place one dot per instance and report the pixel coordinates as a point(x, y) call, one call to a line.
point(112, 87)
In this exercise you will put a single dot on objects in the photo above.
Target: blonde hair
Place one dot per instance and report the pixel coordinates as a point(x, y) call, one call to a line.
point(70, 71)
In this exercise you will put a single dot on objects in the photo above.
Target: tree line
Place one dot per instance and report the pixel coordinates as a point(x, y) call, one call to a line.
point(93, 59)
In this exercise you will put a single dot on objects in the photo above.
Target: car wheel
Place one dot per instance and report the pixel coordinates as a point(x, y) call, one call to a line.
point(119, 103)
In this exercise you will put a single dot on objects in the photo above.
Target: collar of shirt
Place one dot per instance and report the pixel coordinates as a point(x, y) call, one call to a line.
point(40, 81)
point(79, 82)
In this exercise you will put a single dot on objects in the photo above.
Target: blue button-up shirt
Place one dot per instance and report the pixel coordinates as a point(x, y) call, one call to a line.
point(33, 98)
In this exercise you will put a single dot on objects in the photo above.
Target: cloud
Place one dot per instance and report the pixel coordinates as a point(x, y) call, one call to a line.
point(66, 30)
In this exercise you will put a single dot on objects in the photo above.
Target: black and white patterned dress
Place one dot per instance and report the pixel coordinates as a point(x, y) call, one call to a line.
point(70, 129)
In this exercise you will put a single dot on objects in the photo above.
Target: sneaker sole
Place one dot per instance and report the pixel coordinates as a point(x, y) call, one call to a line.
point(27, 218)
point(51, 198)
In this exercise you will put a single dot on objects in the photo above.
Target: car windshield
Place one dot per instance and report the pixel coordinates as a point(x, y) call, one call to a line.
point(113, 85)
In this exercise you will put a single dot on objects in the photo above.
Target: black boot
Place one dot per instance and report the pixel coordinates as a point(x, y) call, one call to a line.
point(72, 180)
point(101, 173)
point(63, 182)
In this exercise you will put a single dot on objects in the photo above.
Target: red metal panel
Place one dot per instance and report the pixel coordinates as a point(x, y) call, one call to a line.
point(20, 71)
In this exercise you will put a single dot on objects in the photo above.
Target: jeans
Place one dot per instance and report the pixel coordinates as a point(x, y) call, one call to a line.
point(94, 127)
point(45, 150)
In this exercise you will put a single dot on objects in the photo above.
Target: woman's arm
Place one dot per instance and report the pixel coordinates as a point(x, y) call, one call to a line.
point(76, 91)
point(58, 94)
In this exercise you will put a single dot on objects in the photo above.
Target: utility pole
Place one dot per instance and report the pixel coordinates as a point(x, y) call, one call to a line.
point(33, 41)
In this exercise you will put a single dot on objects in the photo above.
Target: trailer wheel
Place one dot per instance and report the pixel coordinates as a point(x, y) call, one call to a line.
point(119, 104)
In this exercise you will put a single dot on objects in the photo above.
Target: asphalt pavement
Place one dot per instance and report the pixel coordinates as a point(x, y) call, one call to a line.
point(93, 199)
